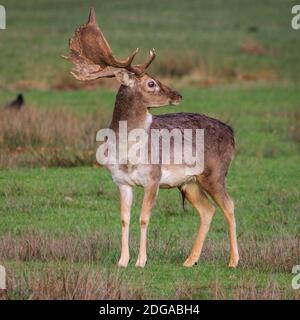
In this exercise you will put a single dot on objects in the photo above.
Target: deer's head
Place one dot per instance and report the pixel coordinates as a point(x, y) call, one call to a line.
point(93, 59)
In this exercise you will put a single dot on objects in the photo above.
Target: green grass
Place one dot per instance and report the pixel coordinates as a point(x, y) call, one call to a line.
point(80, 204)
point(263, 180)
point(38, 32)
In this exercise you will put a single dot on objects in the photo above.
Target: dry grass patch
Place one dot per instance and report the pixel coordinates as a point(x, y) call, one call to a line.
point(243, 290)
point(175, 64)
point(42, 246)
point(33, 137)
point(66, 279)
point(187, 68)
point(294, 128)
point(68, 284)
point(252, 47)
point(265, 255)
point(276, 255)
point(67, 82)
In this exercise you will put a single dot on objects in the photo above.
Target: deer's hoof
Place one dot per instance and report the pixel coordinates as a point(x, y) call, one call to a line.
point(123, 262)
point(141, 262)
point(233, 263)
point(190, 262)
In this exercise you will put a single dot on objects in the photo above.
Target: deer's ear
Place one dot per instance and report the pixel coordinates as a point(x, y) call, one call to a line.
point(125, 77)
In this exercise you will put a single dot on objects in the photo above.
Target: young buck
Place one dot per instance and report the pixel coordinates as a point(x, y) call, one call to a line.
point(93, 59)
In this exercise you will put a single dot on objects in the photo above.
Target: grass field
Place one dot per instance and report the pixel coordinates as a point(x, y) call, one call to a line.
point(208, 34)
point(59, 219)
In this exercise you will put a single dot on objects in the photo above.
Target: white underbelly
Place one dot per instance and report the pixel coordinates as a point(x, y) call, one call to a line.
point(171, 176)
point(174, 177)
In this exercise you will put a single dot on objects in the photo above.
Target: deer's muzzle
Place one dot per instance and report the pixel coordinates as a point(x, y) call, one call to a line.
point(175, 98)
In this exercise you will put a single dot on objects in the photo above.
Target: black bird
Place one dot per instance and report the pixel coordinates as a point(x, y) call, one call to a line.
point(252, 29)
point(17, 104)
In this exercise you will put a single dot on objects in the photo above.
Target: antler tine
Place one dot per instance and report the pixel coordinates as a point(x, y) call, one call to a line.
point(152, 56)
point(132, 56)
point(92, 16)
point(140, 69)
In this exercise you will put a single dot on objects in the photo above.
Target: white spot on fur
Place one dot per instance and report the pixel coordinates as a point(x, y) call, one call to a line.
point(148, 120)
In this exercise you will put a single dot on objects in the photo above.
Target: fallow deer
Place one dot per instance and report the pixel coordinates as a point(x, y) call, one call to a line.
point(138, 92)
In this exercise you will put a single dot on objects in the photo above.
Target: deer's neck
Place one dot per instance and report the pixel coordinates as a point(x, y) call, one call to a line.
point(130, 107)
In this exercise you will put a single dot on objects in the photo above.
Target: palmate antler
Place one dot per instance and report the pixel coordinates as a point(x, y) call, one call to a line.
point(93, 57)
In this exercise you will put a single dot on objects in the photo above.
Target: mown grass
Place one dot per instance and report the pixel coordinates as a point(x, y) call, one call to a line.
point(56, 219)
point(209, 35)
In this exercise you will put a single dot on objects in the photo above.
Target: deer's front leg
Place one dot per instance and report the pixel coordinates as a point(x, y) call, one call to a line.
point(150, 193)
point(126, 202)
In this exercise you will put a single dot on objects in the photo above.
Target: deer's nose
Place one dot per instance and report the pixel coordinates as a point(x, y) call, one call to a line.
point(177, 95)
point(176, 98)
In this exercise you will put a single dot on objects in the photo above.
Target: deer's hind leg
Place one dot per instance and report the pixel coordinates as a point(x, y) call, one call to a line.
point(226, 204)
point(206, 210)
point(216, 189)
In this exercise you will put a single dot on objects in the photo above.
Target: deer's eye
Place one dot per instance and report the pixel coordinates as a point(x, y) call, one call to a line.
point(151, 84)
